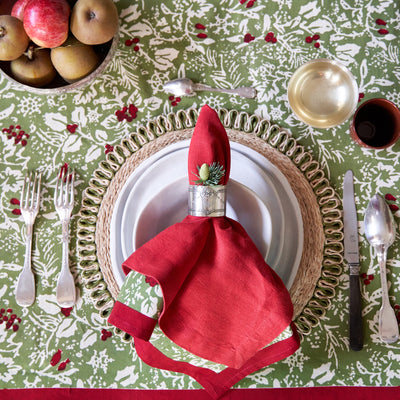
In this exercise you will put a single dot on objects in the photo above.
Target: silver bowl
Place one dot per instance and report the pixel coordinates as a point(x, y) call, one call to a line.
point(323, 93)
point(105, 51)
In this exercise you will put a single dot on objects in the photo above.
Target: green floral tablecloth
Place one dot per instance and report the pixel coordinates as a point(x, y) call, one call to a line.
point(224, 44)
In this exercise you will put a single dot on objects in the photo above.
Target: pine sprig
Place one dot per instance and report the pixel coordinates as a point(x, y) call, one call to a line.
point(209, 175)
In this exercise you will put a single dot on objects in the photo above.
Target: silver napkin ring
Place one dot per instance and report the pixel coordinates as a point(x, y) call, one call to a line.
point(207, 201)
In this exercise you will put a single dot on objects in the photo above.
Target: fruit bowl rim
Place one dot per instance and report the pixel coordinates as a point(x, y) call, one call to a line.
point(71, 87)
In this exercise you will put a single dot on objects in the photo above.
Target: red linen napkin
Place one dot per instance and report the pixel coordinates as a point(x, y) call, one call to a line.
point(221, 301)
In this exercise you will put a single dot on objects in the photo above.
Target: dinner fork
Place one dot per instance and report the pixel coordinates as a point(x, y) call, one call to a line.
point(30, 195)
point(64, 203)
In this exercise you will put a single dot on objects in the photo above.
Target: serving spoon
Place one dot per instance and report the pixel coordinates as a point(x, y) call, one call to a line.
point(186, 87)
point(380, 233)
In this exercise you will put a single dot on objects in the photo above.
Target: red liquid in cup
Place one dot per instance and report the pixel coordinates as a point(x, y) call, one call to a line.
point(375, 125)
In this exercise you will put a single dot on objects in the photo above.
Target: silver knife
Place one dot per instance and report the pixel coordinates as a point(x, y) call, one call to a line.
point(351, 254)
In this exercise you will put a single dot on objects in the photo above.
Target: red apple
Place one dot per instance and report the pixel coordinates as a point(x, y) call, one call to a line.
point(18, 9)
point(46, 22)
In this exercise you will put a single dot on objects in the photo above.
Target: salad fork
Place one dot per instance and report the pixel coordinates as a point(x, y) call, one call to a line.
point(30, 195)
point(64, 203)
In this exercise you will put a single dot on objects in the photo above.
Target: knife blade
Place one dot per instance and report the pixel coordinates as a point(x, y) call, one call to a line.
point(351, 254)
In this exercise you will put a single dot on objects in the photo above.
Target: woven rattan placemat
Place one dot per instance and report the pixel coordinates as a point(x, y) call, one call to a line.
point(321, 259)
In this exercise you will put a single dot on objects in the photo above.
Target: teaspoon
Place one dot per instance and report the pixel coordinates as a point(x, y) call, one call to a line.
point(186, 87)
point(380, 233)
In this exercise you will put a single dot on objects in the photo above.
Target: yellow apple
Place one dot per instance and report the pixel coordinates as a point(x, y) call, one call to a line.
point(13, 38)
point(34, 69)
point(74, 60)
point(94, 21)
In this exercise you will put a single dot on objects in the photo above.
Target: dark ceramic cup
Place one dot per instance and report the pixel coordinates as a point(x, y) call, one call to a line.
point(376, 124)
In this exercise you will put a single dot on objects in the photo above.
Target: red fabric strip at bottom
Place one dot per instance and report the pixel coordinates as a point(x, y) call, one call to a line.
point(315, 393)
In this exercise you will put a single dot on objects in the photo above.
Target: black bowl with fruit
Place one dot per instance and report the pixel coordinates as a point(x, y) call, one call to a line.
point(56, 46)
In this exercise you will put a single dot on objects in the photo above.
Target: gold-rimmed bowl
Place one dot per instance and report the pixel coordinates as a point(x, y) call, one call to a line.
point(323, 93)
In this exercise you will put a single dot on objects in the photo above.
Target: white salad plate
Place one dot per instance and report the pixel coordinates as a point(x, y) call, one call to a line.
point(155, 197)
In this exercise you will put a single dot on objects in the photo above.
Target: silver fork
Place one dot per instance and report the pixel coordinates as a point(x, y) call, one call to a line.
point(64, 203)
point(30, 195)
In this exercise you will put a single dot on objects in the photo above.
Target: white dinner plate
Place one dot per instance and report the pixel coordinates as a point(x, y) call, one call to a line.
point(155, 196)
point(165, 199)
point(170, 205)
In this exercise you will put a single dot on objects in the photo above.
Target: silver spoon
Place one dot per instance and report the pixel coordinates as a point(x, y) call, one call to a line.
point(186, 87)
point(380, 233)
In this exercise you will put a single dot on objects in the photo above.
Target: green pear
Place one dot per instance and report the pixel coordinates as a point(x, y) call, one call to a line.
point(74, 60)
point(34, 68)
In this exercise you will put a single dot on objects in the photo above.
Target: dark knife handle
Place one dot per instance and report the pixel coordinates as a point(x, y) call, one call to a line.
point(356, 328)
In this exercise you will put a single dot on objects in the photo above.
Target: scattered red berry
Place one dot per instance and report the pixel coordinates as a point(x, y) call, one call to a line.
point(393, 207)
point(380, 22)
point(122, 114)
point(72, 127)
point(249, 4)
point(130, 42)
point(14, 201)
point(383, 31)
point(174, 100)
point(360, 96)
point(200, 26)
point(62, 366)
point(314, 38)
point(108, 148)
point(63, 170)
point(105, 334)
point(270, 37)
point(66, 311)
point(390, 197)
point(56, 358)
point(9, 320)
point(15, 132)
point(248, 38)
point(16, 211)
point(202, 35)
